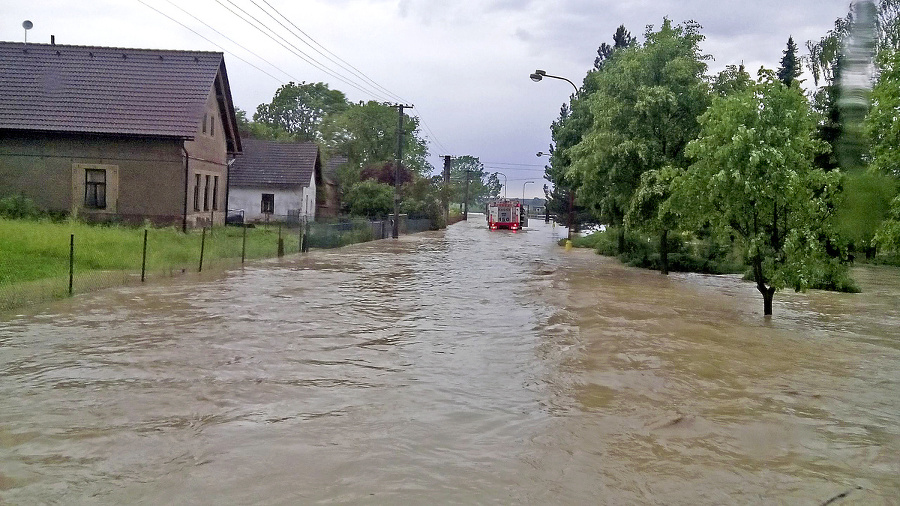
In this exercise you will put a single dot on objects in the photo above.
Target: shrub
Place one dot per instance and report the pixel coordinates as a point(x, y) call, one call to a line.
point(19, 207)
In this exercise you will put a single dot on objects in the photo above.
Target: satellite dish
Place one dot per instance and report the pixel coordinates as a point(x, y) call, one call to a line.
point(27, 25)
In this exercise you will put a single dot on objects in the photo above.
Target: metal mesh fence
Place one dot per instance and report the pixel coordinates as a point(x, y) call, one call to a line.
point(46, 260)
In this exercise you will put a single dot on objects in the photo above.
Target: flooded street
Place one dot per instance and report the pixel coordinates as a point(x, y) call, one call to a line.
point(460, 366)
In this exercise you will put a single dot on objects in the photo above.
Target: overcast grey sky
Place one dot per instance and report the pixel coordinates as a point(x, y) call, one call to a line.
point(464, 64)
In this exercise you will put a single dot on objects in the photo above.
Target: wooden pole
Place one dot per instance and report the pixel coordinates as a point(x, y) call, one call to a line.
point(71, 263)
point(144, 258)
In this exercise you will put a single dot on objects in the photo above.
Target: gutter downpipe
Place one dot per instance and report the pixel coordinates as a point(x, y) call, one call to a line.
point(228, 164)
point(186, 179)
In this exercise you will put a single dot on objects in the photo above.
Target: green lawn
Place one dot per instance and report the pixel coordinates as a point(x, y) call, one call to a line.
point(35, 250)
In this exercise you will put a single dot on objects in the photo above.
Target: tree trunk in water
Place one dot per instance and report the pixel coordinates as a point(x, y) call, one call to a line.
point(622, 240)
point(664, 252)
point(767, 292)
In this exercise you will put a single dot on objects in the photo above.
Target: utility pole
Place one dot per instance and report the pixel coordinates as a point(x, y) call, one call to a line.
point(466, 202)
point(571, 223)
point(395, 233)
point(446, 190)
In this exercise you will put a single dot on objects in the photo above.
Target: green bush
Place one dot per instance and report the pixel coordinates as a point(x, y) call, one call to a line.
point(709, 255)
point(18, 207)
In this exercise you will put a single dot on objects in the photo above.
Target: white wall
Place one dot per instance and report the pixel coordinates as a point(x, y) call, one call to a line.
point(250, 200)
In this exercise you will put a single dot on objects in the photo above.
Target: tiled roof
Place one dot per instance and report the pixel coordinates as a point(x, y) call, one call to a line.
point(274, 163)
point(104, 90)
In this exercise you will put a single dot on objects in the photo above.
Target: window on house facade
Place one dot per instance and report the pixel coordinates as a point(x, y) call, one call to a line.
point(95, 188)
point(205, 118)
point(268, 203)
point(206, 195)
point(196, 192)
point(215, 193)
point(212, 125)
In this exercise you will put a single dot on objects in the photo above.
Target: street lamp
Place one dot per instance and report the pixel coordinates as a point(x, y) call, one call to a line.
point(540, 74)
point(536, 77)
point(541, 153)
point(523, 190)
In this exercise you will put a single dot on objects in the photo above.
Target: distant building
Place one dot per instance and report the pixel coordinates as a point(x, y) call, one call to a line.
point(276, 181)
point(117, 134)
point(536, 206)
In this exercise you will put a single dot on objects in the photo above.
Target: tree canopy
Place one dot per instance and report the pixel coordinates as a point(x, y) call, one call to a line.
point(645, 111)
point(300, 109)
point(753, 178)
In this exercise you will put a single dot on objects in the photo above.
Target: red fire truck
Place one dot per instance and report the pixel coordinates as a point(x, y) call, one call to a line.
point(504, 213)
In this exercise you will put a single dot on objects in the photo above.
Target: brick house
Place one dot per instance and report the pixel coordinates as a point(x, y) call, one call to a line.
point(117, 134)
point(276, 180)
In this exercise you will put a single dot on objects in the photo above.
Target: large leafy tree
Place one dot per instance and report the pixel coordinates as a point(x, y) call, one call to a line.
point(753, 178)
point(482, 184)
point(645, 111)
point(575, 119)
point(650, 208)
point(301, 109)
point(253, 130)
point(883, 131)
point(846, 50)
point(367, 134)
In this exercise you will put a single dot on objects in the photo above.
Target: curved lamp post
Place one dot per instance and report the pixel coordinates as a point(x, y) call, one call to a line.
point(537, 76)
point(523, 190)
point(540, 74)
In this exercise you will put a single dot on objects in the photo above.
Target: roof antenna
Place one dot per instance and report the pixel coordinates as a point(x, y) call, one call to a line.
point(27, 25)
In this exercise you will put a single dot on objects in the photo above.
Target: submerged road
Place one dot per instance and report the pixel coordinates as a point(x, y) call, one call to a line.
point(463, 366)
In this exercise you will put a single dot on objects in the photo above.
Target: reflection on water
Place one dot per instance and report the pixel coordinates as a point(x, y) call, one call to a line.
point(460, 366)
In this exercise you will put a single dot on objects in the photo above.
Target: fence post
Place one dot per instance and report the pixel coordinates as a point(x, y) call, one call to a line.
point(71, 262)
point(300, 239)
point(306, 238)
point(244, 244)
point(202, 248)
point(144, 258)
point(280, 243)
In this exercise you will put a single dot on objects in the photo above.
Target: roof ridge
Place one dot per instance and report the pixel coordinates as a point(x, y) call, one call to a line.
point(111, 48)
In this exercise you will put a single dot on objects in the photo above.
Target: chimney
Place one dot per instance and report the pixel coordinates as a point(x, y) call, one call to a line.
point(53, 40)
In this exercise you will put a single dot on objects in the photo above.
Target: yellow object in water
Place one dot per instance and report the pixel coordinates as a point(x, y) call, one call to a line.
point(568, 245)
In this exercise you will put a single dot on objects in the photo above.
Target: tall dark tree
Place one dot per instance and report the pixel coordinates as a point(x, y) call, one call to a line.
point(621, 39)
point(790, 64)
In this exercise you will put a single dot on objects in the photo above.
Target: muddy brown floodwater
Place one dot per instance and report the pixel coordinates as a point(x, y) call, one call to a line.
point(463, 366)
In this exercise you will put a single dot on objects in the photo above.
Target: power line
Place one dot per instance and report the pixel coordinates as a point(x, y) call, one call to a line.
point(296, 51)
point(518, 164)
point(343, 63)
point(263, 28)
point(210, 41)
point(514, 168)
point(230, 39)
point(433, 136)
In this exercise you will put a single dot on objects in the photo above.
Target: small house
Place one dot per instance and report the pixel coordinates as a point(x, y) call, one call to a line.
point(276, 181)
point(114, 134)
